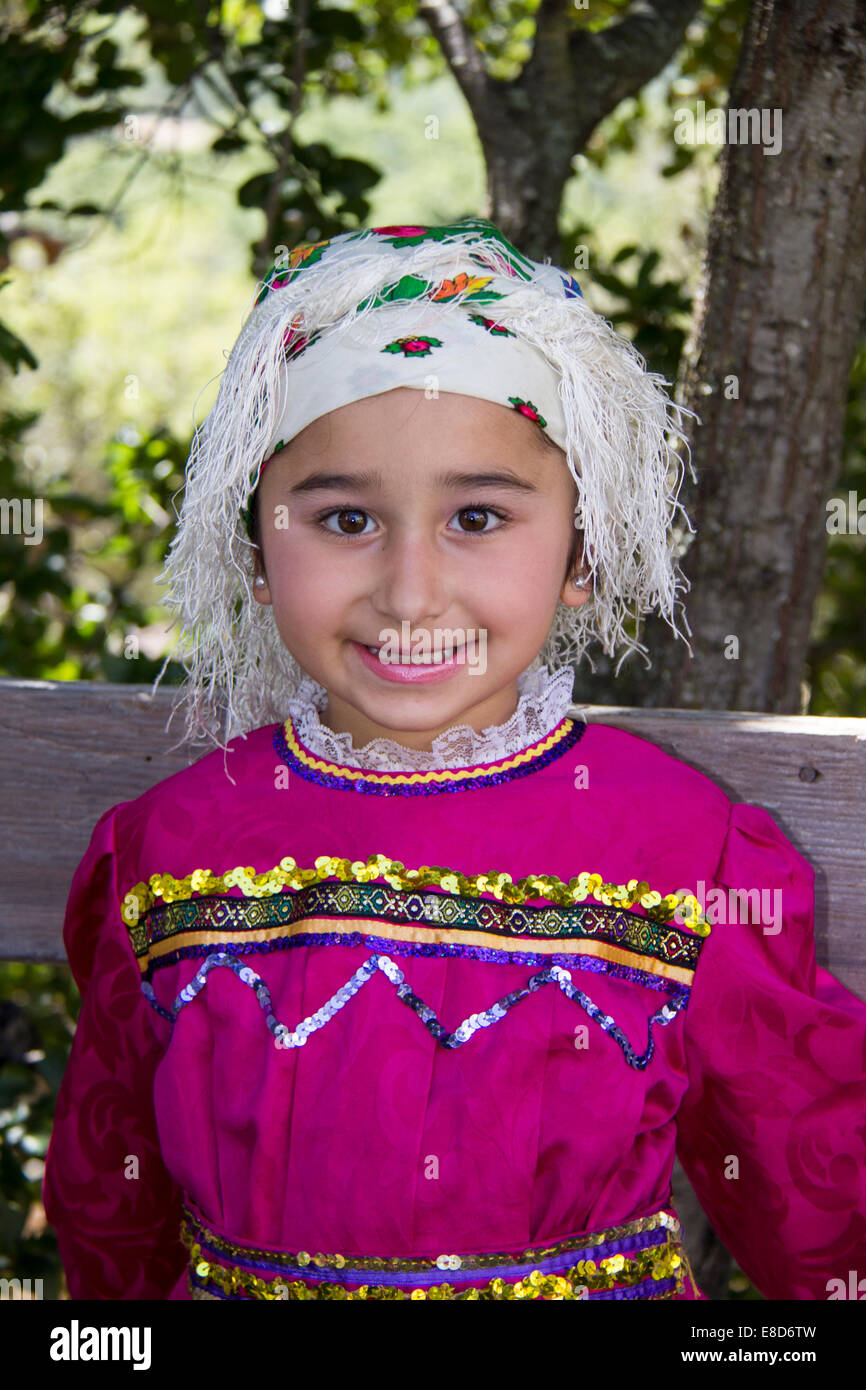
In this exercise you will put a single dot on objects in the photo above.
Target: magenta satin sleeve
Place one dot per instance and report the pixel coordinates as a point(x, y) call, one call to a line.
point(107, 1193)
point(772, 1130)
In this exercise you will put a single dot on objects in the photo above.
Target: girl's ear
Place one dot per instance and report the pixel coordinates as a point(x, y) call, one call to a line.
point(261, 591)
point(576, 590)
point(577, 587)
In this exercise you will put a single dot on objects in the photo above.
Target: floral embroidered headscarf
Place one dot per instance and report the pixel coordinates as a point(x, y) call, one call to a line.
point(335, 321)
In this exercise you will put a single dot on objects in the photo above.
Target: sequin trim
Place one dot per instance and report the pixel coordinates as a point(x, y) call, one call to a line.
point(529, 760)
point(641, 1259)
point(286, 1038)
point(501, 886)
point(429, 918)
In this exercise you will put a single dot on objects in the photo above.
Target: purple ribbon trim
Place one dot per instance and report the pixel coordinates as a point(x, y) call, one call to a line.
point(398, 1278)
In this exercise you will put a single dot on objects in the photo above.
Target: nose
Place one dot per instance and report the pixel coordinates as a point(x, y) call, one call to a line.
point(410, 583)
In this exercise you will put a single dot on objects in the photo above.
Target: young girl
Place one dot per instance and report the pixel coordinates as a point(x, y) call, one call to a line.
point(405, 991)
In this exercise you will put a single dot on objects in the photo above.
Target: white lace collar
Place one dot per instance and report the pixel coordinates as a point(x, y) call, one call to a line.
point(544, 700)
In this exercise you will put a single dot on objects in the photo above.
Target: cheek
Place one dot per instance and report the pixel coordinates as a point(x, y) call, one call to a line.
point(293, 579)
point(532, 567)
point(308, 586)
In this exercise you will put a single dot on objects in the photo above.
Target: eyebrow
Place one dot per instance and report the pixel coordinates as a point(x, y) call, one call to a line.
point(356, 482)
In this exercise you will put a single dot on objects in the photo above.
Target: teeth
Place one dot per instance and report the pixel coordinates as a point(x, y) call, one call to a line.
point(374, 651)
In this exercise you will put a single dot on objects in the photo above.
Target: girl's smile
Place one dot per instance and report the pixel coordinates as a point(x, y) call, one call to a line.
point(417, 673)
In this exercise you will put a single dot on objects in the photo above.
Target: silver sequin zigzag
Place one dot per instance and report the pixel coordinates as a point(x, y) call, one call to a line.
point(285, 1037)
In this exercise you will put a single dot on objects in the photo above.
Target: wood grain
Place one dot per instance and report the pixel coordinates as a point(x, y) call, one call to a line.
point(71, 749)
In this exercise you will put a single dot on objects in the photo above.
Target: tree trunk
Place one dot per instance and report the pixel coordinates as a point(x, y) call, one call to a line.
point(767, 369)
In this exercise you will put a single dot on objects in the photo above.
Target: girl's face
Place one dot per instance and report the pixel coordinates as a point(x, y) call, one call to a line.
point(450, 515)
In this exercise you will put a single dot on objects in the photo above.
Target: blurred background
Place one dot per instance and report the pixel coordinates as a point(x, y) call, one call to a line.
point(155, 160)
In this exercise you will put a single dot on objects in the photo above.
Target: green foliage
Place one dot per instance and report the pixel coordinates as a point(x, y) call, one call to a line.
point(703, 71)
point(34, 63)
point(13, 351)
point(38, 1011)
point(71, 607)
point(245, 72)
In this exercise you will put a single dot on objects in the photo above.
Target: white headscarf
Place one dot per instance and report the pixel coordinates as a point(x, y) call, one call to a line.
point(512, 331)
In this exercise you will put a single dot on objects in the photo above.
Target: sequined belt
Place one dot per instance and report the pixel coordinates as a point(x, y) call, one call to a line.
point(643, 1258)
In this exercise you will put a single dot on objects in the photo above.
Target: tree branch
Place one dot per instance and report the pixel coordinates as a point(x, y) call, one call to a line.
point(463, 57)
point(554, 34)
point(615, 62)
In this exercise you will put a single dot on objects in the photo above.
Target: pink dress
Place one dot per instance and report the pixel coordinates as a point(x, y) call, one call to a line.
point(405, 1051)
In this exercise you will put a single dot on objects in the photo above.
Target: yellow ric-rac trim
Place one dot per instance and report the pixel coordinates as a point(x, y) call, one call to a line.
point(287, 874)
point(396, 931)
point(447, 774)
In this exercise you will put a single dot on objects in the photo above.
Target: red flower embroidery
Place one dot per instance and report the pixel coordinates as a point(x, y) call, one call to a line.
point(413, 347)
point(528, 409)
point(497, 329)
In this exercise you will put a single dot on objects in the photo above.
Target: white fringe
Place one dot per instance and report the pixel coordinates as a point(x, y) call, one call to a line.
point(621, 431)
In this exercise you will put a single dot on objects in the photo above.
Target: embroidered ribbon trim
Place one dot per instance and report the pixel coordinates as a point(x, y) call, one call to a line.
point(428, 919)
point(641, 1259)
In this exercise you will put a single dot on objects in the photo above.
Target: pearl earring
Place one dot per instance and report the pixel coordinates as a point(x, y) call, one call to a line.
point(259, 581)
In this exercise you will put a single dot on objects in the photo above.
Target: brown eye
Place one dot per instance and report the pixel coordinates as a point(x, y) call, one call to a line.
point(477, 517)
point(355, 518)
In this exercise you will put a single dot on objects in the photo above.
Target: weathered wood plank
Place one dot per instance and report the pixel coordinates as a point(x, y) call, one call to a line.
point(69, 750)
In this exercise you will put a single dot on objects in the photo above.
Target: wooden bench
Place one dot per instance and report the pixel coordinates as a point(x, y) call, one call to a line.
point(70, 750)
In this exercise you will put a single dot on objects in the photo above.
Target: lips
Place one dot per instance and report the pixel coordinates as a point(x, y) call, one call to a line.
point(416, 673)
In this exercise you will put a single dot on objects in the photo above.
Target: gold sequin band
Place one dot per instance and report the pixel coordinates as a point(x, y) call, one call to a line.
point(288, 874)
point(641, 1259)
